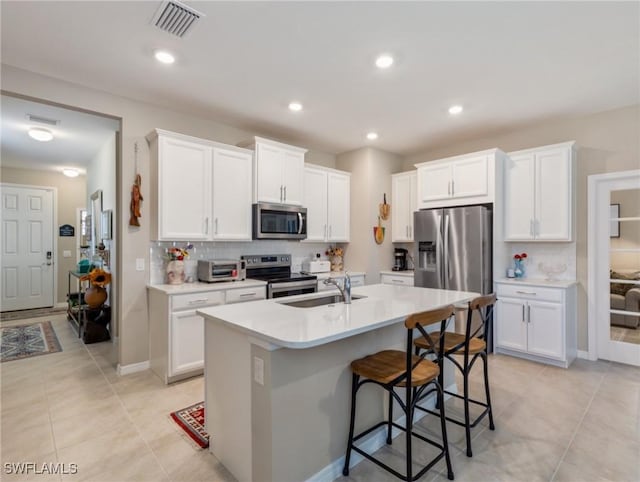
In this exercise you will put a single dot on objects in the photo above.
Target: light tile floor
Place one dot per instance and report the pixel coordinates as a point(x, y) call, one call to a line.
point(581, 424)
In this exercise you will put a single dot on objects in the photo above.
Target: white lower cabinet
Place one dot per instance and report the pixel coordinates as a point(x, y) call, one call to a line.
point(176, 332)
point(537, 322)
point(396, 279)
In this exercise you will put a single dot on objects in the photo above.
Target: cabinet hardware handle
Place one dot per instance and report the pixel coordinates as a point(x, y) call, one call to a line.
point(281, 198)
point(449, 188)
point(247, 294)
point(206, 225)
point(216, 226)
point(531, 227)
point(453, 188)
point(285, 194)
point(397, 280)
point(197, 302)
point(526, 293)
point(536, 227)
point(325, 231)
point(329, 230)
point(523, 313)
point(529, 313)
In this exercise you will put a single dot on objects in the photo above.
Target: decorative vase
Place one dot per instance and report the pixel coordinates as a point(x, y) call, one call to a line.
point(519, 268)
point(95, 296)
point(175, 272)
point(336, 263)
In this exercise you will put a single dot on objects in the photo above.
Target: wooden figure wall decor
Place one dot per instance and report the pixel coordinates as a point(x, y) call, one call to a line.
point(378, 232)
point(384, 208)
point(136, 195)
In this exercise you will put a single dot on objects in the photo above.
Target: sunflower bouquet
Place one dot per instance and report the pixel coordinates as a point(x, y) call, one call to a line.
point(98, 277)
point(334, 252)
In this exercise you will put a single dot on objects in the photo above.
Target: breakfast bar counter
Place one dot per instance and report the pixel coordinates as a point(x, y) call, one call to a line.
point(277, 378)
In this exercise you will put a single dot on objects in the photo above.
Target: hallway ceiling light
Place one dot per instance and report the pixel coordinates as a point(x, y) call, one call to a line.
point(295, 106)
point(455, 109)
point(70, 172)
point(384, 61)
point(40, 134)
point(372, 136)
point(164, 57)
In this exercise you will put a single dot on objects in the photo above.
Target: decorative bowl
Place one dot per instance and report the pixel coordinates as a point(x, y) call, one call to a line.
point(552, 270)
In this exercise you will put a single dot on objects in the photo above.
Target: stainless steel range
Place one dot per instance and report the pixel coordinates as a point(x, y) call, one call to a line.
point(275, 269)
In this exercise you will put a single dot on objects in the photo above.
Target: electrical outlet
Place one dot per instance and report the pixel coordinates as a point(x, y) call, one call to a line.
point(139, 264)
point(66, 253)
point(258, 370)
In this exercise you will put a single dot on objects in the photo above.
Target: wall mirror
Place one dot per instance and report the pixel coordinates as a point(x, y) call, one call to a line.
point(96, 216)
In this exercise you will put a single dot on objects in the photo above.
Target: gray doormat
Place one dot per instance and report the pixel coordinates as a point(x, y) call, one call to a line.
point(34, 313)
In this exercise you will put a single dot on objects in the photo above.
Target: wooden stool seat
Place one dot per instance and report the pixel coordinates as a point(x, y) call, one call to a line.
point(387, 365)
point(451, 340)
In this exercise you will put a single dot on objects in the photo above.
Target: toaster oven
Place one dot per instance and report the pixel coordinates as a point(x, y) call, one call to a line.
point(210, 271)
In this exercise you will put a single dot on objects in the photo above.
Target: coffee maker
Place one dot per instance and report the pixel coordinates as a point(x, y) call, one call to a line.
point(400, 259)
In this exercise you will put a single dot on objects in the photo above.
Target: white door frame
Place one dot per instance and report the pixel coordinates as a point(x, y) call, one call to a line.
point(54, 226)
point(596, 262)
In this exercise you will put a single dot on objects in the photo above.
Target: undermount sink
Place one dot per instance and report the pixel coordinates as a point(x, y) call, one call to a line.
point(324, 300)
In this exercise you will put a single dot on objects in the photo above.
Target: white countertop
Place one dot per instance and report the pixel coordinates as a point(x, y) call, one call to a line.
point(563, 283)
point(408, 273)
point(338, 274)
point(287, 326)
point(199, 287)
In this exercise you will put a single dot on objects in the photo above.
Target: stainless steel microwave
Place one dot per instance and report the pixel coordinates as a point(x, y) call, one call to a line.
point(279, 221)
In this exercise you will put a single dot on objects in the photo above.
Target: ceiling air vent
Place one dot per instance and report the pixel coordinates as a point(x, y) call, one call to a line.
point(176, 18)
point(42, 120)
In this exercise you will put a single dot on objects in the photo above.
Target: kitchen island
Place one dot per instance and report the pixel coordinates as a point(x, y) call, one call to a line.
point(278, 383)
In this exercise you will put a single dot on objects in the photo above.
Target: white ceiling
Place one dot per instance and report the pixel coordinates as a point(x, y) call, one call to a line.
point(78, 136)
point(508, 63)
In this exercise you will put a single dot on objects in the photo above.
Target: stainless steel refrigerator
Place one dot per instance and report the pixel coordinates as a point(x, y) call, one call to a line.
point(453, 248)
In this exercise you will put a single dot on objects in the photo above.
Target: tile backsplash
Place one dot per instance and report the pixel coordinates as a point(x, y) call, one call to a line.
point(551, 254)
point(299, 251)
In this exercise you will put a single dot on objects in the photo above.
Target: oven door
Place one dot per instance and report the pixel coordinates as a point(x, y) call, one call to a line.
point(277, 221)
point(290, 288)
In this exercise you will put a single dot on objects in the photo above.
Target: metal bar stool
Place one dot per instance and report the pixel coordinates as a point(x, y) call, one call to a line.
point(391, 369)
point(470, 346)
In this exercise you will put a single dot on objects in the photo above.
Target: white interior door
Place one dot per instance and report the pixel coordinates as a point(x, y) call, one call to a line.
point(614, 266)
point(27, 248)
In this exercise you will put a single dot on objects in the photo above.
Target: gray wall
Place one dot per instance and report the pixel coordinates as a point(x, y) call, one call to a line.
point(606, 142)
point(138, 119)
point(72, 194)
point(371, 171)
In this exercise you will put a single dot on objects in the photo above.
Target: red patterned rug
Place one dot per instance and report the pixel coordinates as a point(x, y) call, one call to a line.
point(191, 420)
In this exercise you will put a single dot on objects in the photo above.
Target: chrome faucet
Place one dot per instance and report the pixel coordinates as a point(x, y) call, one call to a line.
point(345, 290)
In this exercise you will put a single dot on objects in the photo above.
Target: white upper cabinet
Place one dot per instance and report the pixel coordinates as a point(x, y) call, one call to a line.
point(201, 189)
point(538, 194)
point(404, 199)
point(456, 181)
point(279, 172)
point(183, 189)
point(327, 197)
point(231, 195)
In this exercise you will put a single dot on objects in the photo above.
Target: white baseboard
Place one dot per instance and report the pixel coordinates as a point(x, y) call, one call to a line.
point(376, 440)
point(133, 368)
point(583, 354)
point(62, 304)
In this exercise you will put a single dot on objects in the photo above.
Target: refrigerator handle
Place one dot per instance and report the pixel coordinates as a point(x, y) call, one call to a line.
point(439, 257)
point(446, 251)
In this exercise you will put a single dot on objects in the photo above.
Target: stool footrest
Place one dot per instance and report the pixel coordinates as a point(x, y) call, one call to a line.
point(456, 421)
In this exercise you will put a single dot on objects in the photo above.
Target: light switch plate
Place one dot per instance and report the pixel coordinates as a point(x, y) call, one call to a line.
point(139, 264)
point(66, 253)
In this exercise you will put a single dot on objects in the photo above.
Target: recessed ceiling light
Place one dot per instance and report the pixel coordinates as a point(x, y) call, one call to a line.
point(384, 61)
point(372, 136)
point(164, 57)
point(295, 106)
point(455, 109)
point(70, 172)
point(40, 134)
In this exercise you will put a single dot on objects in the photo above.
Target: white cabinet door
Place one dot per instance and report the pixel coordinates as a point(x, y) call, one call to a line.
point(338, 206)
point(269, 160)
point(434, 182)
point(184, 185)
point(511, 327)
point(519, 197)
point(186, 342)
point(403, 204)
point(545, 329)
point(470, 177)
point(315, 200)
point(231, 195)
point(292, 177)
point(553, 195)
